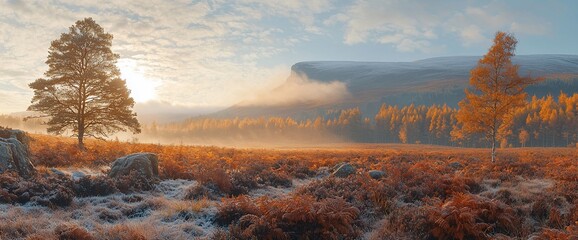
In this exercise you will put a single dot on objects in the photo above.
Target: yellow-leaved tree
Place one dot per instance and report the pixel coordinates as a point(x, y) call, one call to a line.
point(497, 90)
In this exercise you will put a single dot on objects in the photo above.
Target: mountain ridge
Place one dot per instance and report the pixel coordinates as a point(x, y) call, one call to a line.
point(427, 81)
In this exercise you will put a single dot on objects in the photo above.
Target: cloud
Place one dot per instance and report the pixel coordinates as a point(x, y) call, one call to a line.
point(415, 25)
point(303, 11)
point(299, 89)
point(191, 53)
point(199, 53)
point(390, 22)
point(472, 34)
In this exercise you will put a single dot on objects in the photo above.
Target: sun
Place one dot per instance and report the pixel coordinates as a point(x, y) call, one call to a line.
point(142, 89)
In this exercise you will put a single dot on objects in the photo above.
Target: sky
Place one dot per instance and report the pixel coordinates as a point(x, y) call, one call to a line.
point(198, 56)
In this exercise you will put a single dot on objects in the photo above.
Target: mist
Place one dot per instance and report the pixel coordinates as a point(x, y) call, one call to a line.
point(165, 112)
point(254, 139)
point(299, 89)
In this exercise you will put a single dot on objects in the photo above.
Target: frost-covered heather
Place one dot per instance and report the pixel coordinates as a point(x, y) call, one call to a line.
point(426, 192)
point(158, 214)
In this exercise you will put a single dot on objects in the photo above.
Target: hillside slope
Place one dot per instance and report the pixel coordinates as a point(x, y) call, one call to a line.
point(429, 81)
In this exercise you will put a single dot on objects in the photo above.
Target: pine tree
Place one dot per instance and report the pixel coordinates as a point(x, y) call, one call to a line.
point(83, 90)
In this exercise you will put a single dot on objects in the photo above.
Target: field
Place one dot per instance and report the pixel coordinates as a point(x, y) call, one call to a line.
point(428, 192)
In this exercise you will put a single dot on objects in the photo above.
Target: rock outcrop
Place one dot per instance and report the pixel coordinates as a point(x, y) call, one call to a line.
point(77, 175)
point(344, 170)
point(14, 156)
point(19, 135)
point(145, 164)
point(376, 174)
point(456, 165)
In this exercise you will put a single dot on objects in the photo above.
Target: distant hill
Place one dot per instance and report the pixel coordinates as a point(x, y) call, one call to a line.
point(369, 84)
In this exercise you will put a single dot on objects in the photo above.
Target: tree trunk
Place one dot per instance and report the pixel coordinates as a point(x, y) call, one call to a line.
point(494, 148)
point(81, 137)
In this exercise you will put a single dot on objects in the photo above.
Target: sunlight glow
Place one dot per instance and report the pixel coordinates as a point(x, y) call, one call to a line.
point(142, 88)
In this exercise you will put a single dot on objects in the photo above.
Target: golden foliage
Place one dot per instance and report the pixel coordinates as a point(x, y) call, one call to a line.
point(299, 216)
point(465, 216)
point(428, 192)
point(498, 91)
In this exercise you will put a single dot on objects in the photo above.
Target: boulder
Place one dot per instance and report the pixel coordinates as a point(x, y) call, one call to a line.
point(20, 135)
point(456, 165)
point(376, 174)
point(344, 170)
point(14, 156)
point(144, 163)
point(77, 175)
point(323, 172)
point(337, 166)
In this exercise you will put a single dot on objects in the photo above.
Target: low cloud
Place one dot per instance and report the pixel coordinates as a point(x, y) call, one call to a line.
point(164, 112)
point(299, 89)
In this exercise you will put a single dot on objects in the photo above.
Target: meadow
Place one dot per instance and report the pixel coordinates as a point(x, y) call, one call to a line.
point(428, 192)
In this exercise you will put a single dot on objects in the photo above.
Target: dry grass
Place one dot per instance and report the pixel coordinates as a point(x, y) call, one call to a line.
point(425, 189)
point(176, 207)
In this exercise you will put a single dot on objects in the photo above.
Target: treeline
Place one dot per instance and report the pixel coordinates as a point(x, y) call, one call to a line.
point(544, 122)
point(547, 122)
point(17, 122)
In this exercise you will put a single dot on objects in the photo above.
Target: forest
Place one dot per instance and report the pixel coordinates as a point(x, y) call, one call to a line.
point(548, 121)
point(544, 122)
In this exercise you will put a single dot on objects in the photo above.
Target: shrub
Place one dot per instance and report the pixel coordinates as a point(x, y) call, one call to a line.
point(303, 217)
point(46, 190)
point(257, 175)
point(217, 176)
point(571, 232)
point(466, 216)
point(174, 168)
point(42, 236)
point(295, 168)
point(134, 182)
point(548, 209)
point(94, 186)
point(253, 226)
point(232, 209)
point(358, 190)
point(295, 217)
point(274, 178)
point(9, 182)
point(222, 234)
point(120, 232)
point(242, 183)
point(46, 155)
point(109, 215)
point(199, 191)
point(7, 197)
point(184, 210)
point(61, 196)
point(239, 181)
point(140, 210)
point(418, 182)
point(406, 222)
point(72, 232)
